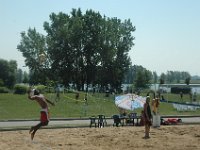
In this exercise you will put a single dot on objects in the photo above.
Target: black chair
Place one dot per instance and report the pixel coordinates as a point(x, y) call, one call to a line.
point(116, 120)
point(131, 118)
point(93, 121)
point(101, 121)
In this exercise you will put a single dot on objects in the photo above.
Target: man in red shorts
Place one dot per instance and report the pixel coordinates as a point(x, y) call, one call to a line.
point(44, 114)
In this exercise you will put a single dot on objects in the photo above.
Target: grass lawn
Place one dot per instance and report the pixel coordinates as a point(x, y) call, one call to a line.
point(13, 106)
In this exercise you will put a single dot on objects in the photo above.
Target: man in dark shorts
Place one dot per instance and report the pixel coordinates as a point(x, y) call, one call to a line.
point(147, 117)
point(44, 113)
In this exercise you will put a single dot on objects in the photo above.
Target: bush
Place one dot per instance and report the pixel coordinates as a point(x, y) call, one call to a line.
point(1, 82)
point(4, 90)
point(20, 89)
point(177, 90)
point(41, 88)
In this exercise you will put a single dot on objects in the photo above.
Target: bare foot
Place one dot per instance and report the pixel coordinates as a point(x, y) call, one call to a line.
point(31, 130)
point(32, 135)
point(146, 137)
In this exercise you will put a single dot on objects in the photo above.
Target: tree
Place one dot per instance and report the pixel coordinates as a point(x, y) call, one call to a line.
point(19, 76)
point(187, 81)
point(32, 46)
point(80, 48)
point(1, 83)
point(92, 45)
point(143, 77)
point(170, 76)
point(60, 47)
point(4, 70)
point(25, 77)
point(122, 43)
point(155, 77)
point(162, 78)
point(12, 73)
point(175, 76)
point(8, 72)
point(130, 75)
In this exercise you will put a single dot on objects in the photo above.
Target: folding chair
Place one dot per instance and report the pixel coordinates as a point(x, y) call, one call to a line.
point(131, 118)
point(116, 120)
point(101, 121)
point(93, 121)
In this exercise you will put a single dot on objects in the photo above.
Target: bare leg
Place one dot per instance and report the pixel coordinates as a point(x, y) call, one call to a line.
point(31, 130)
point(35, 128)
point(147, 129)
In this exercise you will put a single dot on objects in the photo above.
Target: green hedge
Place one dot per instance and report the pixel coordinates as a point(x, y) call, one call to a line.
point(41, 88)
point(177, 90)
point(20, 89)
point(4, 90)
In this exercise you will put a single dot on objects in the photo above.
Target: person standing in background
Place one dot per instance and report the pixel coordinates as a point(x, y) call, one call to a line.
point(147, 117)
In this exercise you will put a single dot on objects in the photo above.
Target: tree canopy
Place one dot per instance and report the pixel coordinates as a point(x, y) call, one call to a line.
point(8, 72)
point(80, 49)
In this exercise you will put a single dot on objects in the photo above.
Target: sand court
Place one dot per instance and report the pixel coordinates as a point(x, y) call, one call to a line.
point(177, 137)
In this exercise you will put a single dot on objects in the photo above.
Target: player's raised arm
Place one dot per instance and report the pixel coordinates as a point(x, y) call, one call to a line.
point(50, 102)
point(30, 95)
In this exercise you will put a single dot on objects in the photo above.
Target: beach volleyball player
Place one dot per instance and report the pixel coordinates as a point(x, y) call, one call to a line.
point(35, 95)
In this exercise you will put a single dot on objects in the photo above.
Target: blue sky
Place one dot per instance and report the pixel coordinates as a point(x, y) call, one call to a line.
point(166, 37)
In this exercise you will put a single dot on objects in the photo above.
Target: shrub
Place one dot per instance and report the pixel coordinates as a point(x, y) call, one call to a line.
point(177, 90)
point(1, 82)
point(20, 89)
point(41, 88)
point(4, 90)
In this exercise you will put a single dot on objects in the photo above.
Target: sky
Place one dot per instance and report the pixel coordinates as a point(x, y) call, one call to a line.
point(166, 37)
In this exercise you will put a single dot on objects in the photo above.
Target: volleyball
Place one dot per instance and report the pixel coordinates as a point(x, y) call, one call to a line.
point(32, 92)
point(42, 58)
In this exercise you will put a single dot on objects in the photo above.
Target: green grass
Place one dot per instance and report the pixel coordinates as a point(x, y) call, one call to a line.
point(13, 106)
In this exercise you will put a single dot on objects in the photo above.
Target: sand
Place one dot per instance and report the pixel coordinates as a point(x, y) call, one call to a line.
point(177, 137)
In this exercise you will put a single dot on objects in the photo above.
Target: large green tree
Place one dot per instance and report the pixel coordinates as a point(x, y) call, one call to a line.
point(143, 77)
point(33, 46)
point(22, 76)
point(19, 76)
point(174, 77)
point(117, 42)
point(8, 72)
point(162, 78)
point(81, 48)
